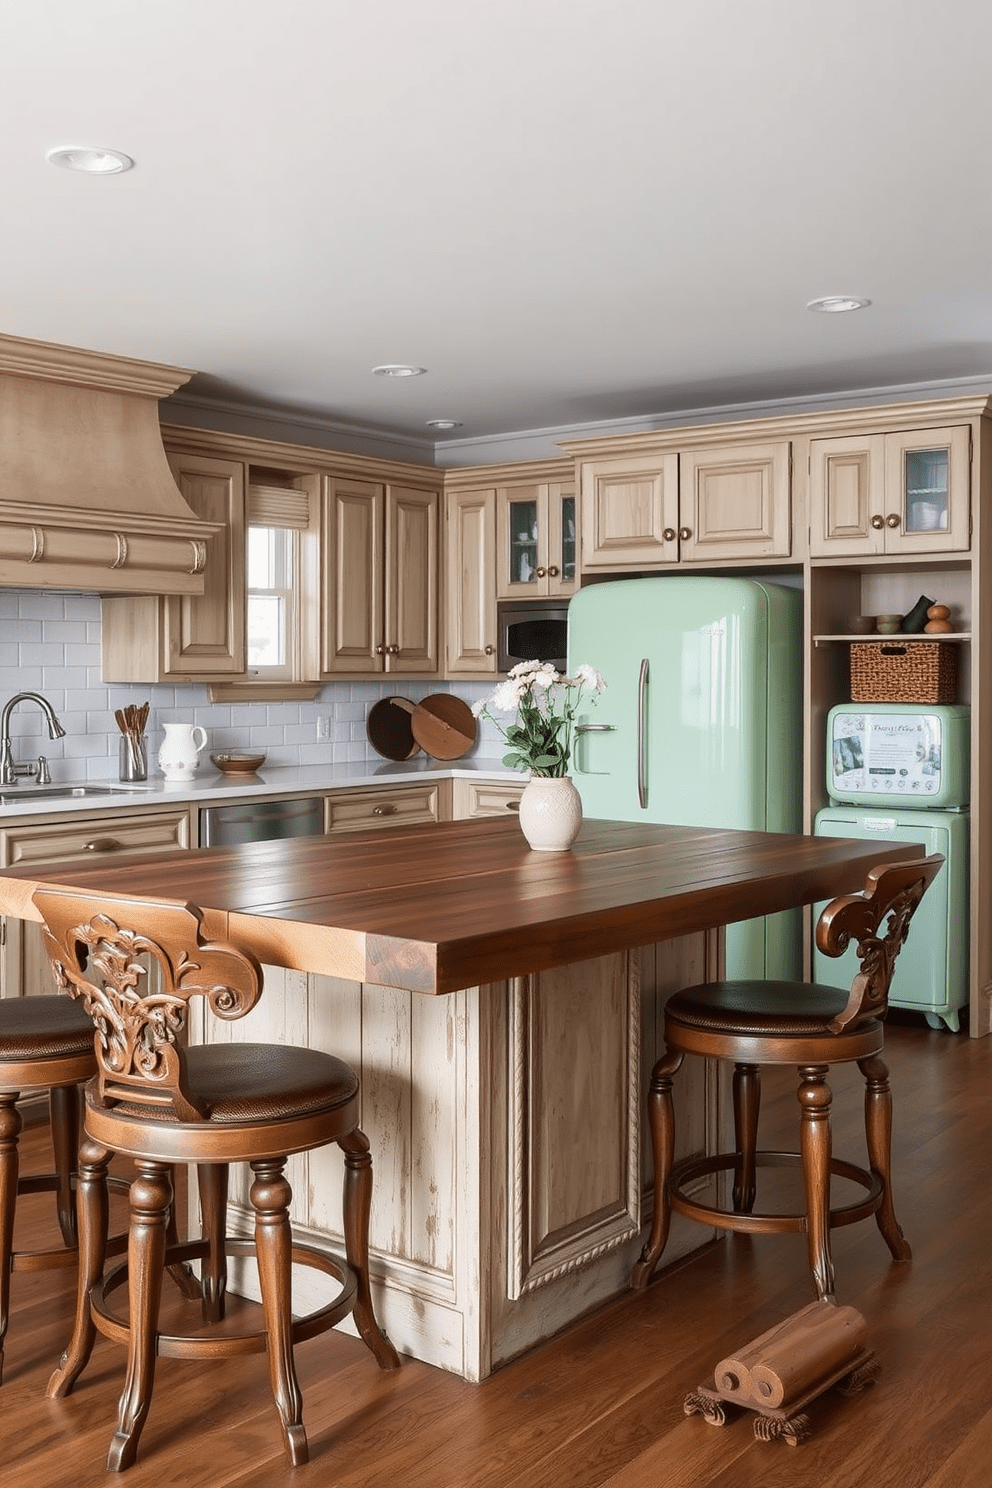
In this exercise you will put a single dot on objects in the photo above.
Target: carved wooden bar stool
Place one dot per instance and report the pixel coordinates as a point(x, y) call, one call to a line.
point(811, 1026)
point(161, 1104)
point(46, 1043)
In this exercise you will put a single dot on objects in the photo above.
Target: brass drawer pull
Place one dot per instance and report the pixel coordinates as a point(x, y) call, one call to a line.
point(383, 810)
point(513, 805)
point(102, 844)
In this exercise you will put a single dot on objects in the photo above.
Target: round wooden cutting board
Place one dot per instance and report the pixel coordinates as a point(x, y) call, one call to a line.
point(443, 726)
point(389, 730)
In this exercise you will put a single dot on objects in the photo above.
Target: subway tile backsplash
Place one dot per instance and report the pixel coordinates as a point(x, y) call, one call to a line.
point(50, 643)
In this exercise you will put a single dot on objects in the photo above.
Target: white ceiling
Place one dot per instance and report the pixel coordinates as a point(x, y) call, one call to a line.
point(569, 211)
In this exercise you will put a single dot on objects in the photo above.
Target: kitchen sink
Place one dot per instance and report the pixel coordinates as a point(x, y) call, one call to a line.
point(65, 792)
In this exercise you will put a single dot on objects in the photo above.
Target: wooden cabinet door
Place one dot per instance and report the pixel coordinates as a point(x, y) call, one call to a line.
point(204, 636)
point(412, 580)
point(847, 495)
point(629, 512)
point(563, 538)
point(470, 591)
point(521, 542)
point(352, 577)
point(928, 491)
point(734, 502)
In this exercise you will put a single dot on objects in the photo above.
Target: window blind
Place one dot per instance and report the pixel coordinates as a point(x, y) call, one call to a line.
point(277, 506)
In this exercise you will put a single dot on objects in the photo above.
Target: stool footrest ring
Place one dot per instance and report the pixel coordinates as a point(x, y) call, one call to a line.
point(222, 1344)
point(691, 1169)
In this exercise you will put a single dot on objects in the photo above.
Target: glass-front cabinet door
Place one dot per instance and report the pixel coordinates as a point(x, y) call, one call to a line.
point(929, 471)
point(535, 540)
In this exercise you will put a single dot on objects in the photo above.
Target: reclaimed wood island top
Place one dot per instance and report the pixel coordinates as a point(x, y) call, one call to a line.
point(445, 906)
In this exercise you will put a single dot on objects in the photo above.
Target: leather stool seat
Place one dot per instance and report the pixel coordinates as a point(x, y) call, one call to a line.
point(764, 1009)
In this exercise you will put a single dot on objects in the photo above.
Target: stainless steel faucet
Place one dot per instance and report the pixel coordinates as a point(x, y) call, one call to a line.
point(9, 772)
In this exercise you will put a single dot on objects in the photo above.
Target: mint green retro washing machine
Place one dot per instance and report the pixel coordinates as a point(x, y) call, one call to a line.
point(899, 773)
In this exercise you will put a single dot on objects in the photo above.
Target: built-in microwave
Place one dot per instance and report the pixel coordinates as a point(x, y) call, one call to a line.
point(532, 630)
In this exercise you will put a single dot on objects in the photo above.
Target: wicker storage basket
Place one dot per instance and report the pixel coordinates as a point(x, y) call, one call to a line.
point(898, 671)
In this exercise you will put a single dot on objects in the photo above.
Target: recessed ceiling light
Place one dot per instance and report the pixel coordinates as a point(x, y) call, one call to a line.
point(837, 304)
point(443, 424)
point(90, 159)
point(397, 369)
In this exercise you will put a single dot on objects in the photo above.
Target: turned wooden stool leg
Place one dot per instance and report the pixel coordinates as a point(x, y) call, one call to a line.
point(212, 1182)
point(357, 1213)
point(93, 1219)
point(65, 1109)
point(270, 1198)
point(661, 1116)
point(815, 1147)
point(151, 1198)
point(878, 1135)
point(10, 1130)
point(747, 1103)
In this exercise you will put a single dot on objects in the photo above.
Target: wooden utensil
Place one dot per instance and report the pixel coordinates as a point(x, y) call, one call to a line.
point(444, 726)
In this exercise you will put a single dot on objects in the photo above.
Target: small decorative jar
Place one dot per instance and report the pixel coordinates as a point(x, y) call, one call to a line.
point(550, 813)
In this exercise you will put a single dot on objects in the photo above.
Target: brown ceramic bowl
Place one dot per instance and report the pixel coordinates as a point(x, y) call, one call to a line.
point(233, 763)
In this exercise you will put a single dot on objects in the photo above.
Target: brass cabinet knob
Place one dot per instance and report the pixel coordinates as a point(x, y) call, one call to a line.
point(685, 533)
point(541, 572)
point(392, 650)
point(877, 523)
point(552, 571)
point(669, 534)
point(490, 650)
point(380, 650)
point(892, 520)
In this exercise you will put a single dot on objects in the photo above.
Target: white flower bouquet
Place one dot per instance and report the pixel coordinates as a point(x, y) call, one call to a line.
point(545, 703)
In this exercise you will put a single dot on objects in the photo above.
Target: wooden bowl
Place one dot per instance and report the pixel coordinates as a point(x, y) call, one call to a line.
point(233, 763)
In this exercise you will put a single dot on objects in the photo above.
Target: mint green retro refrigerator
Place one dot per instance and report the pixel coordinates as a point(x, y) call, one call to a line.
point(701, 720)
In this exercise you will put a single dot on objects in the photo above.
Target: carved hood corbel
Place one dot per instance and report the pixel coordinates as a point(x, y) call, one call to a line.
point(87, 499)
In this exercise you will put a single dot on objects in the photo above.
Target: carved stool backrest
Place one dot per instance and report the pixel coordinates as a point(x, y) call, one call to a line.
point(102, 952)
point(895, 892)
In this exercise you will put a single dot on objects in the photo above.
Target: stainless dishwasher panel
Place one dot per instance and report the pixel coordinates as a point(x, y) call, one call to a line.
point(261, 821)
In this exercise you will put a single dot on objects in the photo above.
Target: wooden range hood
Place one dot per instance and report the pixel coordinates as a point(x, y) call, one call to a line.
point(87, 499)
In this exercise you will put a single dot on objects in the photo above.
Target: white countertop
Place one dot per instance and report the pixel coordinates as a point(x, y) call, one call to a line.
point(211, 787)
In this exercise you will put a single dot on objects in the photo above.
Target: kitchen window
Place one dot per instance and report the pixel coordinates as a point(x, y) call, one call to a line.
point(278, 521)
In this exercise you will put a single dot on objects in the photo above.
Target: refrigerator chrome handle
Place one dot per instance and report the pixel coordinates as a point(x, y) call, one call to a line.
point(642, 761)
point(595, 728)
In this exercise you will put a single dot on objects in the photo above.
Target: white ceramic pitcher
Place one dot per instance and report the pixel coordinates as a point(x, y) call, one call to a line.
point(180, 751)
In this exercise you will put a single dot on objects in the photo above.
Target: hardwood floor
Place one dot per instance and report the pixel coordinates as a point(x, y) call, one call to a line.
point(601, 1405)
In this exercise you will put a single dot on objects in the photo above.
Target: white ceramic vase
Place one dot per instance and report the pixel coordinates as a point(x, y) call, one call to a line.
point(179, 755)
point(550, 813)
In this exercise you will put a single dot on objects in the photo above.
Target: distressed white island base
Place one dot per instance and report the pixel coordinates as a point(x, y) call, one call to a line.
point(509, 1143)
point(505, 1120)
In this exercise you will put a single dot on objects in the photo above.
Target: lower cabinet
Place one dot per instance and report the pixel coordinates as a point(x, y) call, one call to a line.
point(24, 966)
point(393, 806)
point(484, 798)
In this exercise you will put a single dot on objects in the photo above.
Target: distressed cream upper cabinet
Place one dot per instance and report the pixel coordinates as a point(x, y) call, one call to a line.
point(891, 494)
point(470, 591)
point(707, 506)
point(536, 540)
point(380, 547)
point(147, 638)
